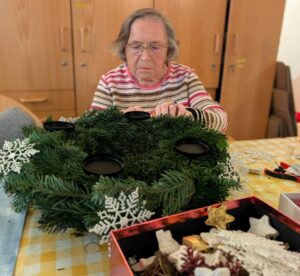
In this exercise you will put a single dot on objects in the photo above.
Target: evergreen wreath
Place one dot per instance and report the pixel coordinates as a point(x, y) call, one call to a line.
point(54, 182)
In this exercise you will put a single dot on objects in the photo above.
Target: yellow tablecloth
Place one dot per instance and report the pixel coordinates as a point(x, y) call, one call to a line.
point(63, 254)
point(265, 153)
point(57, 254)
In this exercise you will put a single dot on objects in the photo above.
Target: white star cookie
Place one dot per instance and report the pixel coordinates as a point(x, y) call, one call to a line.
point(261, 227)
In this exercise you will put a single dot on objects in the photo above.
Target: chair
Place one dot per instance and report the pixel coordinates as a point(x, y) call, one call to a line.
point(282, 120)
point(6, 103)
point(13, 117)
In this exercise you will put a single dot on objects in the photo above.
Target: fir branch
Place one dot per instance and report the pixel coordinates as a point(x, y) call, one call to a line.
point(206, 181)
point(52, 186)
point(112, 186)
point(171, 193)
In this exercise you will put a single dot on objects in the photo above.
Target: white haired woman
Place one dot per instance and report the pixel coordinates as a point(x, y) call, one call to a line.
point(149, 81)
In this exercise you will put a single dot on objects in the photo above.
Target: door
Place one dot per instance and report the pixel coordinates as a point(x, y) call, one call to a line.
point(252, 42)
point(95, 25)
point(199, 25)
point(36, 45)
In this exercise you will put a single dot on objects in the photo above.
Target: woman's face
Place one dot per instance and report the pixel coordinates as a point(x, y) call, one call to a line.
point(148, 65)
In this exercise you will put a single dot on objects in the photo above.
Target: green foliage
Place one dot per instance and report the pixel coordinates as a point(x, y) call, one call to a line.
point(55, 183)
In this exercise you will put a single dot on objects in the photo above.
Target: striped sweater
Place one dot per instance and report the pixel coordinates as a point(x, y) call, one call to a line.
point(119, 88)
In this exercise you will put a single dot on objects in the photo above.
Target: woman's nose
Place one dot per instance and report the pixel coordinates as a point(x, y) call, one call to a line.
point(145, 55)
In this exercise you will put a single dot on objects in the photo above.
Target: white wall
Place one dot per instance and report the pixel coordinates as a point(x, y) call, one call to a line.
point(289, 47)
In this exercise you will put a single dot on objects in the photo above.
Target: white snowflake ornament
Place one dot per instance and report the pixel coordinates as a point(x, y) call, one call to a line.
point(14, 154)
point(120, 212)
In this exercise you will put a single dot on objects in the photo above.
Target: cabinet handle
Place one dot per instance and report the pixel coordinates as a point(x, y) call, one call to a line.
point(216, 43)
point(33, 100)
point(235, 43)
point(63, 62)
point(62, 39)
point(82, 36)
point(232, 67)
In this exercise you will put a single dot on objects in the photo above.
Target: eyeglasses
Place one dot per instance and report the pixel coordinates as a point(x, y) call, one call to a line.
point(137, 48)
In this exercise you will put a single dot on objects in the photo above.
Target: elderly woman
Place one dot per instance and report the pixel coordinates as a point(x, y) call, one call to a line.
point(149, 81)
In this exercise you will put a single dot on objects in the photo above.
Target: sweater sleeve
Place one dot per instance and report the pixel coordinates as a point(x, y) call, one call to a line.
point(203, 107)
point(102, 97)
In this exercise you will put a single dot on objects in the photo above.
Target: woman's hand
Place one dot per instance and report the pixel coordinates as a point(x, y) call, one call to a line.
point(172, 109)
point(166, 108)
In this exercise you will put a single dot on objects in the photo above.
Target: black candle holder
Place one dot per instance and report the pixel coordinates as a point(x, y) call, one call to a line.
point(102, 164)
point(191, 148)
point(136, 115)
point(52, 126)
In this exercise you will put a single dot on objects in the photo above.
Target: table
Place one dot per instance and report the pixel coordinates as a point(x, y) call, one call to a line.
point(265, 153)
point(57, 254)
point(63, 254)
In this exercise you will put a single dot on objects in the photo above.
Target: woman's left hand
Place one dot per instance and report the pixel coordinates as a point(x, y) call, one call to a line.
point(172, 109)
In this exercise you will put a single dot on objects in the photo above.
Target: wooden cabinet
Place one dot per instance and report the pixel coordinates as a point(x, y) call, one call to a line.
point(44, 44)
point(253, 32)
point(199, 26)
point(36, 65)
point(53, 52)
point(232, 45)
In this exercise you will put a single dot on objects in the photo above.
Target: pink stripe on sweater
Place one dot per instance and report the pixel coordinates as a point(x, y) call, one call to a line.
point(198, 94)
point(120, 81)
point(96, 107)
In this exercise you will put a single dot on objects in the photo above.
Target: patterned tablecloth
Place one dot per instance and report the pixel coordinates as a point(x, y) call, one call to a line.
point(57, 254)
point(11, 228)
point(267, 153)
point(63, 254)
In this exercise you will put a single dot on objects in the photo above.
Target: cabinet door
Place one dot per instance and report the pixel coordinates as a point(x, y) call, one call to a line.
point(95, 25)
point(35, 47)
point(199, 25)
point(252, 42)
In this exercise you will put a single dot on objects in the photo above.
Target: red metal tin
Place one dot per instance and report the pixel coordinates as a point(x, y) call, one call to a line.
point(140, 239)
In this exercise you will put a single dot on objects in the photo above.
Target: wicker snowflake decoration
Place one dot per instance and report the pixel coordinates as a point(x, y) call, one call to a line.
point(120, 212)
point(14, 154)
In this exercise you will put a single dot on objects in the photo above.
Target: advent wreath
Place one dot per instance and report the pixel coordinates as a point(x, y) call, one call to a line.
point(45, 171)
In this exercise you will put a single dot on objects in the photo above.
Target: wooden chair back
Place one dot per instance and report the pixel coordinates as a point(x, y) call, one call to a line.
point(6, 103)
